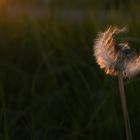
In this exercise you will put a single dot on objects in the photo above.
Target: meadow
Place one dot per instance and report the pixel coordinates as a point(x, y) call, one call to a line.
point(50, 86)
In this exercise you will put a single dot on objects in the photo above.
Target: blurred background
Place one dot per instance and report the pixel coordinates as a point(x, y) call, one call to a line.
point(50, 85)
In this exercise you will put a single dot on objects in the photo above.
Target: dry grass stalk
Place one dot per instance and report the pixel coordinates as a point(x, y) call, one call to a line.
point(124, 108)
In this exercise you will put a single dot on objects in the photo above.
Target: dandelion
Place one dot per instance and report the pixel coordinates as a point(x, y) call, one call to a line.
point(117, 59)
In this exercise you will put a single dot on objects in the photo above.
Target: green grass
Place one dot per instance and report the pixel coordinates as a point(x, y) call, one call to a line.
point(51, 87)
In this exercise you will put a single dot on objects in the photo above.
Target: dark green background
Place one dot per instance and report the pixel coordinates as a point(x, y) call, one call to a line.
point(50, 85)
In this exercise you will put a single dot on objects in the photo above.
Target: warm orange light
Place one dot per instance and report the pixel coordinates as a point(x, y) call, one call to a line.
point(4, 2)
point(5, 5)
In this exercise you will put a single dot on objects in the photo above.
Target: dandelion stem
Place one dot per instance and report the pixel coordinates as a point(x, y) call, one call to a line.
point(124, 108)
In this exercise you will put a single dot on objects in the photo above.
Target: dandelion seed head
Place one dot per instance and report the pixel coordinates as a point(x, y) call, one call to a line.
point(114, 57)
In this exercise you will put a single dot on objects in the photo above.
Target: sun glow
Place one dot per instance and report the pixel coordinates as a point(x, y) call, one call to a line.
point(4, 3)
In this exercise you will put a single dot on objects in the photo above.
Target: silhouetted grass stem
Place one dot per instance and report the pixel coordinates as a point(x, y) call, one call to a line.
point(124, 108)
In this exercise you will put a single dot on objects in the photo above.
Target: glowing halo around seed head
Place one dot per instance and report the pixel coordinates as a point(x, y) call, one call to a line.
point(115, 58)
